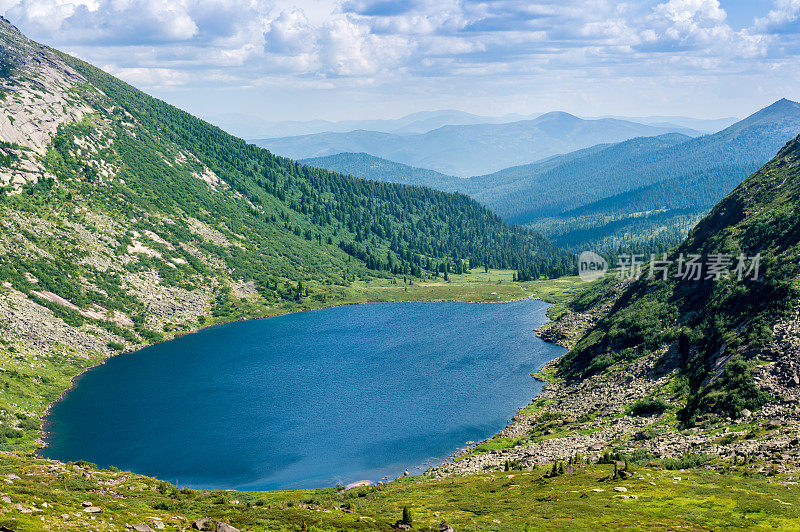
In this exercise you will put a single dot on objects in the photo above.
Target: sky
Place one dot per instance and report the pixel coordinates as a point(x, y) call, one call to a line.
point(277, 60)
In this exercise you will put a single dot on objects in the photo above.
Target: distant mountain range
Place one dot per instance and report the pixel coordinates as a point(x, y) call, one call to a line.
point(465, 150)
point(699, 124)
point(420, 122)
point(251, 127)
point(611, 194)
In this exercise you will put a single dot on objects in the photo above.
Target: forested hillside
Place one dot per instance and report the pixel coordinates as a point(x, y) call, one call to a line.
point(168, 161)
point(547, 188)
point(610, 196)
point(368, 166)
point(638, 189)
point(719, 325)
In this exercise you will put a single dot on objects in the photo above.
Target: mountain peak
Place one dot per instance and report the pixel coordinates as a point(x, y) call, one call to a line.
point(560, 116)
point(781, 115)
point(782, 106)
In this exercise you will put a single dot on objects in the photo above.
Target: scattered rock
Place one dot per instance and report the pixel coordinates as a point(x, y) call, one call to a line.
point(86, 503)
point(93, 510)
point(142, 527)
point(621, 489)
point(158, 524)
point(200, 523)
point(219, 526)
point(444, 527)
point(359, 484)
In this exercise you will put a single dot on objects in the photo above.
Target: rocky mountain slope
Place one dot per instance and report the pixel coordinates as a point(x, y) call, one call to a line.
point(680, 367)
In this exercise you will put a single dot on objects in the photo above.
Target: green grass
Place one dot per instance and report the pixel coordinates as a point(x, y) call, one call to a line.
point(508, 501)
point(557, 291)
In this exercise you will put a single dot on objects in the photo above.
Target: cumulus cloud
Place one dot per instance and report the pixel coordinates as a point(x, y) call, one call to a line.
point(171, 42)
point(128, 22)
point(342, 46)
point(783, 14)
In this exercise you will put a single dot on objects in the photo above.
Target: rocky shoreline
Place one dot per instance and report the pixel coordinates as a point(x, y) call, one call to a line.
point(594, 416)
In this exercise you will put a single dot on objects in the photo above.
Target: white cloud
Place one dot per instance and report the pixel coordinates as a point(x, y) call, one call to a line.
point(290, 33)
point(127, 22)
point(339, 47)
point(332, 44)
point(784, 12)
point(152, 77)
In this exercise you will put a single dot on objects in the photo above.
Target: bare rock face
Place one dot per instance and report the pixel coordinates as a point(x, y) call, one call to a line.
point(37, 97)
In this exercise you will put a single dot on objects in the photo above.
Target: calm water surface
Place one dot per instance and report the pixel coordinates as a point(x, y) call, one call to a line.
point(309, 399)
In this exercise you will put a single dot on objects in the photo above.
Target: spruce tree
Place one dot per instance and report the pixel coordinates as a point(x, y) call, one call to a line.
point(407, 519)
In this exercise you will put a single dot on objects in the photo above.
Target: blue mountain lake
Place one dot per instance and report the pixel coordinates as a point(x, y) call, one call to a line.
point(309, 399)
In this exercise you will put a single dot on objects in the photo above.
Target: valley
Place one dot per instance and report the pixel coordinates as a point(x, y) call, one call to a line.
point(129, 226)
point(638, 192)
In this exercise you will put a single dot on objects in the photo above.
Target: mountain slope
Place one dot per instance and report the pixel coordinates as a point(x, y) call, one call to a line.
point(126, 221)
point(536, 190)
point(719, 328)
point(618, 195)
point(367, 166)
point(471, 149)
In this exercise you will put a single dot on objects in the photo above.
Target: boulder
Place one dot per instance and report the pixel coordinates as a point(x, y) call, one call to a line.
point(444, 527)
point(219, 526)
point(93, 510)
point(621, 489)
point(200, 523)
point(158, 524)
point(142, 527)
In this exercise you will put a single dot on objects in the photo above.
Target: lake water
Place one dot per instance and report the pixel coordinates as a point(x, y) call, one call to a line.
point(309, 399)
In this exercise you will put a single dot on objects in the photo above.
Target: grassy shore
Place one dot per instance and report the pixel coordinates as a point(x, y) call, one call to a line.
point(49, 496)
point(40, 494)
